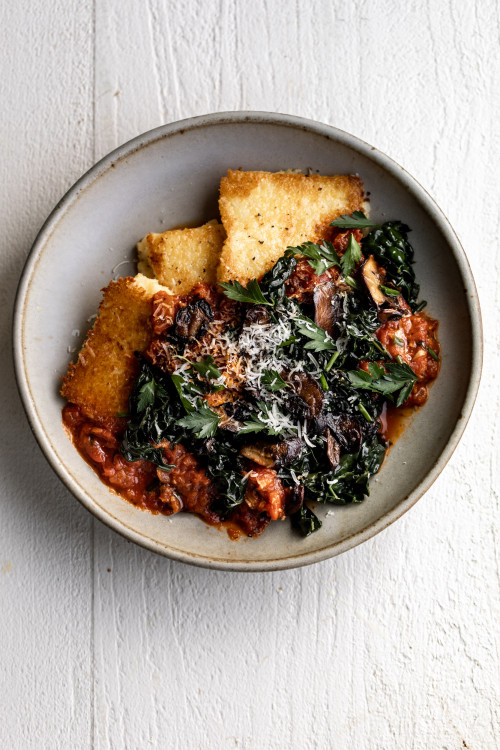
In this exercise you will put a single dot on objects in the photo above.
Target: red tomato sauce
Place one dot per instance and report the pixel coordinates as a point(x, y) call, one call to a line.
point(185, 488)
point(414, 339)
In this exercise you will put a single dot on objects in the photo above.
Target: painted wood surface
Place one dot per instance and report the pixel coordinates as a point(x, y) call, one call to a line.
point(394, 644)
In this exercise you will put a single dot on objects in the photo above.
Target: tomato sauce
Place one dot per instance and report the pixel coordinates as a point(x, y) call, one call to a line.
point(186, 487)
point(393, 421)
point(414, 339)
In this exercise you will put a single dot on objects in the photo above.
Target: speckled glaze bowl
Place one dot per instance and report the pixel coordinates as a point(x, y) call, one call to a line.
point(167, 178)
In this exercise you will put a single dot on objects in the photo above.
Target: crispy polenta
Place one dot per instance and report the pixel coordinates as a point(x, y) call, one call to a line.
point(264, 212)
point(180, 258)
point(101, 380)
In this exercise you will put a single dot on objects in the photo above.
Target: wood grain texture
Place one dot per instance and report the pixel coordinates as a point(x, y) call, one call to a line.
point(393, 645)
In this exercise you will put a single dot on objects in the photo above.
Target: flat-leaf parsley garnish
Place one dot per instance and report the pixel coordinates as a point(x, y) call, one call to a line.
point(203, 422)
point(251, 294)
point(389, 379)
point(319, 340)
point(356, 220)
point(273, 381)
point(351, 257)
point(320, 257)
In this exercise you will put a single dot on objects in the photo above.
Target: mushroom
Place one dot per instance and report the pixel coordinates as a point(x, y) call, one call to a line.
point(257, 314)
point(273, 455)
point(191, 321)
point(346, 431)
point(389, 308)
point(332, 450)
point(309, 392)
point(295, 499)
point(372, 277)
point(328, 307)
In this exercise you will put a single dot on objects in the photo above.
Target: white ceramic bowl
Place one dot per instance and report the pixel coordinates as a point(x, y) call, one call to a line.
point(167, 178)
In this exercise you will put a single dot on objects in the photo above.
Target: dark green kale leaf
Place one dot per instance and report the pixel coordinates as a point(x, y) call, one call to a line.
point(225, 468)
point(189, 391)
point(260, 421)
point(153, 412)
point(348, 482)
point(390, 247)
point(305, 521)
point(273, 282)
point(358, 340)
point(269, 291)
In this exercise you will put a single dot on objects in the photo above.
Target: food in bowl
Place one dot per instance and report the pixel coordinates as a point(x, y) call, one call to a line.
point(251, 367)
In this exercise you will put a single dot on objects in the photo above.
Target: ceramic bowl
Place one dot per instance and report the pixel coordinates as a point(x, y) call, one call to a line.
point(169, 177)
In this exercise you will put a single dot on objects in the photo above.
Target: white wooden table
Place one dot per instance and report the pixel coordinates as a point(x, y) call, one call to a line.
point(394, 645)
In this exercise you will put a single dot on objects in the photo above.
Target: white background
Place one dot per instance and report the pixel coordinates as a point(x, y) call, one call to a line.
point(394, 644)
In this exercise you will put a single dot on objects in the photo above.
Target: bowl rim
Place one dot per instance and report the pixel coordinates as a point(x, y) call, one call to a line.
point(267, 118)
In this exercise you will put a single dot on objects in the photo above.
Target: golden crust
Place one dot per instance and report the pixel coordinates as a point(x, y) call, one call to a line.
point(180, 258)
point(101, 380)
point(264, 212)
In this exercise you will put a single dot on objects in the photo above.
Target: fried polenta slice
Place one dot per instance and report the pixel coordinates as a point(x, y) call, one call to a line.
point(180, 258)
point(265, 212)
point(101, 380)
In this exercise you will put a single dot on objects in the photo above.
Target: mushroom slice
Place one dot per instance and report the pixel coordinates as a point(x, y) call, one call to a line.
point(259, 454)
point(295, 499)
point(257, 314)
point(389, 308)
point(372, 277)
point(309, 391)
point(273, 454)
point(346, 431)
point(332, 450)
point(191, 321)
point(328, 307)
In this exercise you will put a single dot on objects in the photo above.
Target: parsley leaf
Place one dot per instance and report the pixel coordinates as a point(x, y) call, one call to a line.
point(147, 394)
point(320, 257)
point(188, 391)
point(273, 381)
point(320, 340)
point(203, 422)
point(356, 220)
point(351, 256)
point(205, 367)
point(385, 380)
point(253, 425)
point(251, 294)
point(260, 421)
